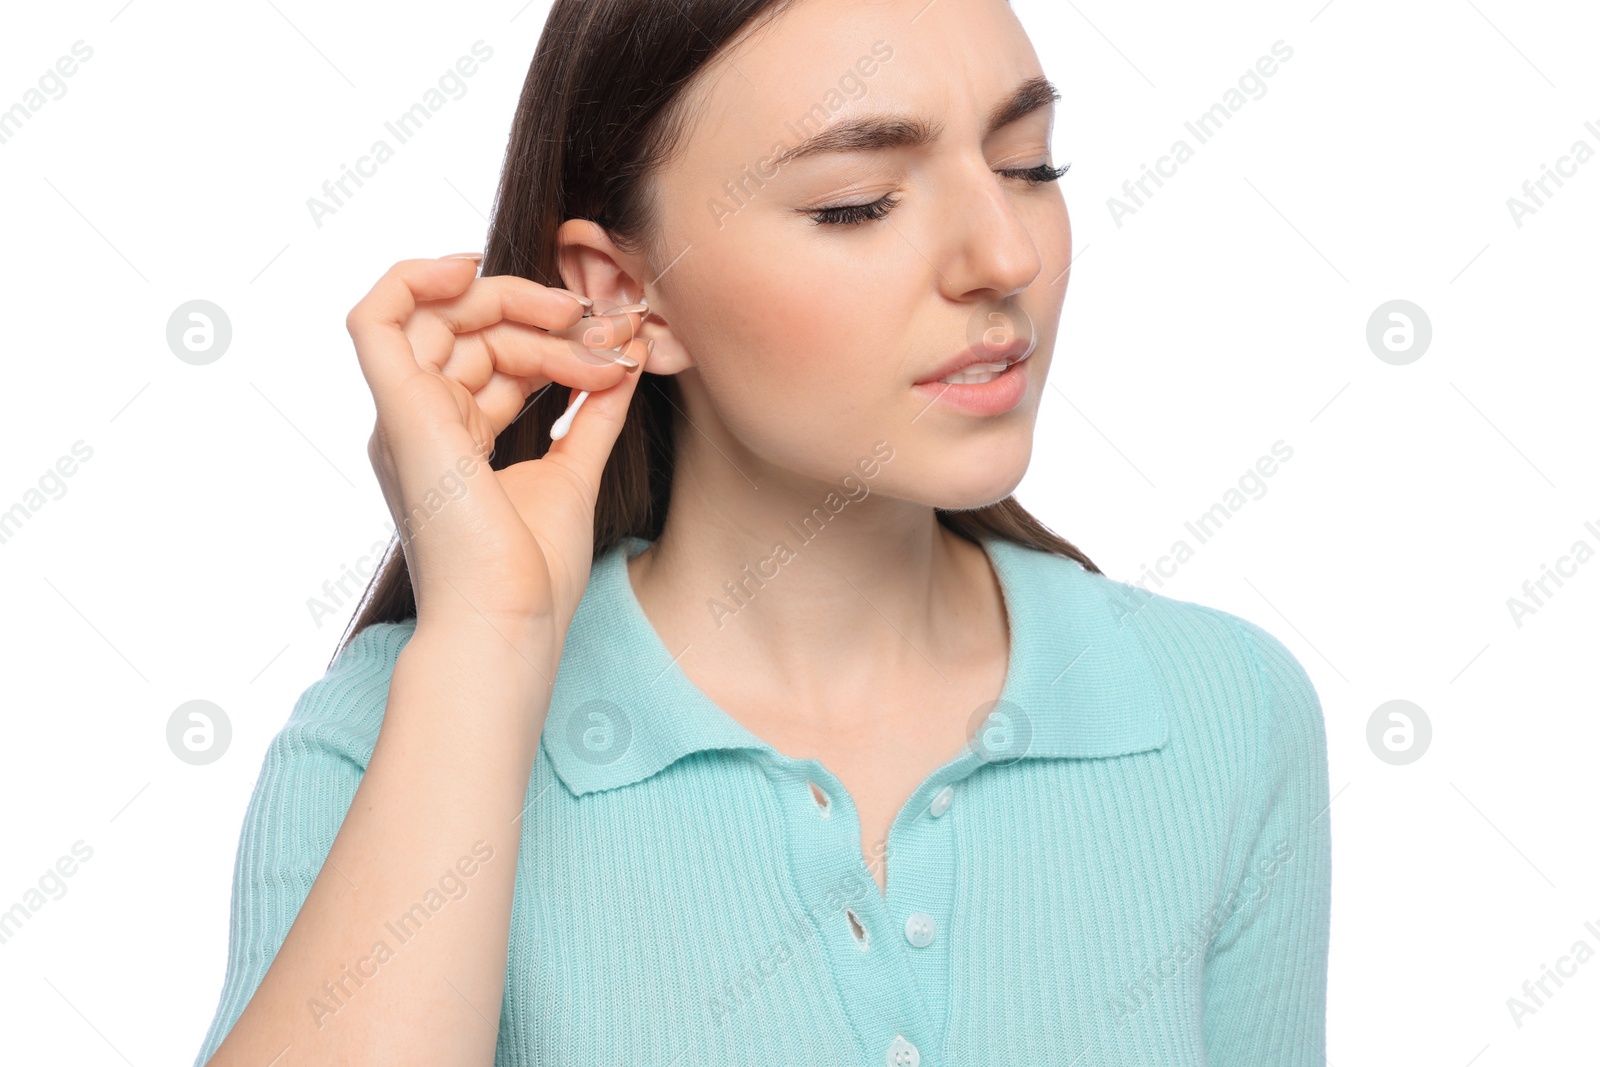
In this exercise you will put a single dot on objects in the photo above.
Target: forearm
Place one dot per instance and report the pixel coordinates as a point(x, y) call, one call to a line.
point(398, 953)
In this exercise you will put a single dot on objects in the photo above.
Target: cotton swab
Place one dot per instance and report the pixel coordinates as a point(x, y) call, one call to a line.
point(564, 423)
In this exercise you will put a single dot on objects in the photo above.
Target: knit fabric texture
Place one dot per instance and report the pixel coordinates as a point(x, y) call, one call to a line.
point(1128, 864)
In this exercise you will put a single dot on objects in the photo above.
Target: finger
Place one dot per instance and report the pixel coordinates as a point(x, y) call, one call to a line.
point(540, 363)
point(526, 351)
point(377, 322)
point(501, 298)
point(504, 398)
point(594, 430)
point(525, 362)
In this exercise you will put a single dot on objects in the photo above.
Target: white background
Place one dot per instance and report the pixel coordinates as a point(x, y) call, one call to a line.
point(1228, 313)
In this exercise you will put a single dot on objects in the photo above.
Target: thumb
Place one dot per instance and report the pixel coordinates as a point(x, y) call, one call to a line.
point(593, 430)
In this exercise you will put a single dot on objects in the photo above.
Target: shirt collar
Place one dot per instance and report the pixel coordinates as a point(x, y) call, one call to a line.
point(1079, 683)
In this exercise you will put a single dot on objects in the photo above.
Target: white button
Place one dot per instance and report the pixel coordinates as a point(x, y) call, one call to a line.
point(902, 1053)
point(941, 802)
point(919, 929)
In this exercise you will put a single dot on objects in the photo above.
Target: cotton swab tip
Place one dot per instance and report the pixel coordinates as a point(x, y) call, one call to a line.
point(564, 423)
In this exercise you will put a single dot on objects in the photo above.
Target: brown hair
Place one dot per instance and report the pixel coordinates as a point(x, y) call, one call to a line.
point(602, 108)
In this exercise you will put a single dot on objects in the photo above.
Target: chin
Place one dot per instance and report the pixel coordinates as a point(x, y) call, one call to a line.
point(975, 476)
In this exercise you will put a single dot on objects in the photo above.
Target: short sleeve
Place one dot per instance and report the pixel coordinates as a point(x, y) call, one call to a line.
point(1266, 971)
point(307, 781)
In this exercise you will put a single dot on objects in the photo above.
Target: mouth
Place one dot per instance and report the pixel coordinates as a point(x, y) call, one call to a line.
point(978, 373)
point(979, 388)
point(979, 362)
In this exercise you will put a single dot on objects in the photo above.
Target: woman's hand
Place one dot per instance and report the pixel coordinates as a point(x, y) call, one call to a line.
point(451, 360)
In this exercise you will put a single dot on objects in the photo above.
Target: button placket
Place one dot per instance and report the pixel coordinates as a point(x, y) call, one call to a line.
point(920, 926)
point(922, 899)
point(858, 932)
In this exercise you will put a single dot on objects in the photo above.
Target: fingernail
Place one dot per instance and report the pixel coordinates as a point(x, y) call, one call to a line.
point(627, 309)
point(585, 301)
point(631, 364)
point(464, 255)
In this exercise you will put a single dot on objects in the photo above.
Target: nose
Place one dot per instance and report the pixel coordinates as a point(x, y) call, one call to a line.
point(991, 253)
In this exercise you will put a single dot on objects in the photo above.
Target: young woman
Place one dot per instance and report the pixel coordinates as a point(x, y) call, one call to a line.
point(752, 720)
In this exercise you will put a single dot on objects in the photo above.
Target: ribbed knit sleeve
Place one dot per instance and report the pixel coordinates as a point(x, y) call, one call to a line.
point(306, 783)
point(1265, 981)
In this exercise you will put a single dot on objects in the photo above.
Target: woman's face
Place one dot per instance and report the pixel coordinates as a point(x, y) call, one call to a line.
point(800, 330)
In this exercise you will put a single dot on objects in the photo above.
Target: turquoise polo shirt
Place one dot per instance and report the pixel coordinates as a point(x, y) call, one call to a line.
point(1128, 864)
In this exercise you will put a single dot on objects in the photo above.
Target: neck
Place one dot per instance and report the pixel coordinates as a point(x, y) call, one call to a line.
point(823, 598)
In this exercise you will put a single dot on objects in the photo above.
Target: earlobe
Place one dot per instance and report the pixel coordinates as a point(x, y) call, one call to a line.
point(667, 354)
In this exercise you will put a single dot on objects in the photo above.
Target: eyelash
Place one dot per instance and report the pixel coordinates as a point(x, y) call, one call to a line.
point(856, 214)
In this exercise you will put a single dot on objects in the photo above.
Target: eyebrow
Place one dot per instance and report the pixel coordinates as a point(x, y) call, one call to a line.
point(878, 132)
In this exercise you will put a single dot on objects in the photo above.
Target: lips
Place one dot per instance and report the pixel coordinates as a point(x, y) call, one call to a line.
point(977, 356)
point(982, 399)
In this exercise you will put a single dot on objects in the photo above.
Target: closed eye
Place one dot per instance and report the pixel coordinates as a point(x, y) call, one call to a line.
point(856, 214)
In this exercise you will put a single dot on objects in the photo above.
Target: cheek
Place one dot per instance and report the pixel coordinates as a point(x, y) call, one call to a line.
point(800, 345)
point(790, 377)
point(1054, 237)
point(789, 390)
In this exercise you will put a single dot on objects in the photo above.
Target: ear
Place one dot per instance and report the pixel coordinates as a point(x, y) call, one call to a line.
point(593, 266)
